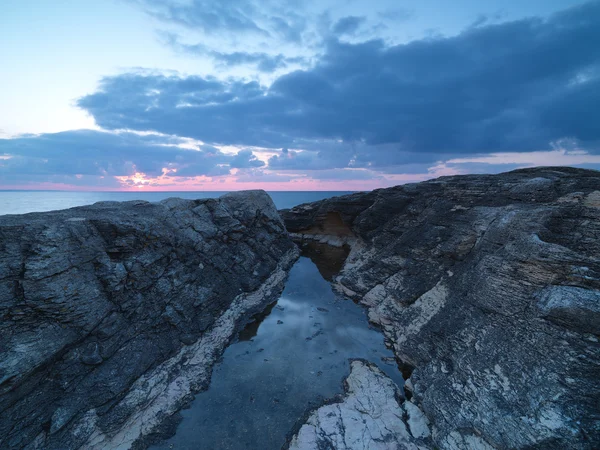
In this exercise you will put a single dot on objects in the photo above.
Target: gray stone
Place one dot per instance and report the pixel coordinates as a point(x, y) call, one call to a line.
point(370, 416)
point(487, 287)
point(113, 314)
point(92, 356)
point(573, 307)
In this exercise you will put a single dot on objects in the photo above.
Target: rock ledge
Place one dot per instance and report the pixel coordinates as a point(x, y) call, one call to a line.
point(487, 287)
point(372, 415)
point(112, 315)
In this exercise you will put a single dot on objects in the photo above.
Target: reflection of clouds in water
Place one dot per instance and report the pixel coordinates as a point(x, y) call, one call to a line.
point(281, 363)
point(296, 322)
point(299, 317)
point(292, 305)
point(356, 334)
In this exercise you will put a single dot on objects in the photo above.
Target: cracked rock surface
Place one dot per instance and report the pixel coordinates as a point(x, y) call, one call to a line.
point(487, 287)
point(371, 416)
point(112, 315)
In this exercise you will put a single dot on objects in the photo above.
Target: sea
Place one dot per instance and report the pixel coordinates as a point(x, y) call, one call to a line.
point(22, 202)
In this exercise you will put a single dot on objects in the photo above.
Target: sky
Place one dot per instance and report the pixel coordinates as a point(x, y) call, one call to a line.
point(292, 94)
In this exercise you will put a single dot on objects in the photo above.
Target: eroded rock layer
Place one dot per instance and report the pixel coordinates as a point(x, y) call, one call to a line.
point(488, 289)
point(112, 315)
point(372, 415)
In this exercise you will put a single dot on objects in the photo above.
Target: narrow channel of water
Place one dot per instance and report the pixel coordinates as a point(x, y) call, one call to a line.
point(284, 363)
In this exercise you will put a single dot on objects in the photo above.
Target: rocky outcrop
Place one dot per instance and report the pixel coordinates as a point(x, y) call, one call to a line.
point(112, 315)
point(372, 415)
point(487, 287)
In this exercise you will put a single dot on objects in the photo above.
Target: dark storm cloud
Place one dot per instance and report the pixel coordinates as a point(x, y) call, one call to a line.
point(89, 153)
point(514, 86)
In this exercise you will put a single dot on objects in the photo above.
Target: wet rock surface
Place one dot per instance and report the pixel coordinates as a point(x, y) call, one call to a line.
point(113, 314)
point(487, 287)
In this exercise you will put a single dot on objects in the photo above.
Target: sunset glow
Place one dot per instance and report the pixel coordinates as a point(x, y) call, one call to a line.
point(354, 96)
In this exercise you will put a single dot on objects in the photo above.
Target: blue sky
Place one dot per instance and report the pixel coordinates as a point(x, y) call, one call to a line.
point(292, 94)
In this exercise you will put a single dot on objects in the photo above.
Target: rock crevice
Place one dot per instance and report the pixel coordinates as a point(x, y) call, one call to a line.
point(488, 286)
point(113, 314)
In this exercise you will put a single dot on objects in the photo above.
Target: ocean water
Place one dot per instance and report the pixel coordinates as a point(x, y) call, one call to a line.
point(22, 202)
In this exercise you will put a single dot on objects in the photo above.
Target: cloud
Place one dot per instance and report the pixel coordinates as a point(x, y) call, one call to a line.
point(264, 62)
point(97, 158)
point(348, 25)
point(263, 176)
point(345, 174)
point(558, 157)
point(509, 87)
point(265, 18)
point(309, 160)
point(205, 15)
point(396, 14)
point(245, 159)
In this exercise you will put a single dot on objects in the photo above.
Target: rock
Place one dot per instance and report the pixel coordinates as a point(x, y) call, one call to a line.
point(487, 289)
point(92, 356)
point(417, 422)
point(187, 339)
point(572, 307)
point(112, 315)
point(370, 416)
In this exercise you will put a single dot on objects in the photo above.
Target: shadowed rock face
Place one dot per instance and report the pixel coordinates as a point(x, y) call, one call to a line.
point(488, 287)
point(113, 314)
point(328, 259)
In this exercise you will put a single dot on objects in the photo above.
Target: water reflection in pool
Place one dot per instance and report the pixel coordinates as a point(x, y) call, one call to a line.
point(286, 362)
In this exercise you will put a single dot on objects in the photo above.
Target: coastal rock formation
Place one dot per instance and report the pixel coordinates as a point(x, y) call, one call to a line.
point(372, 415)
point(487, 288)
point(113, 314)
